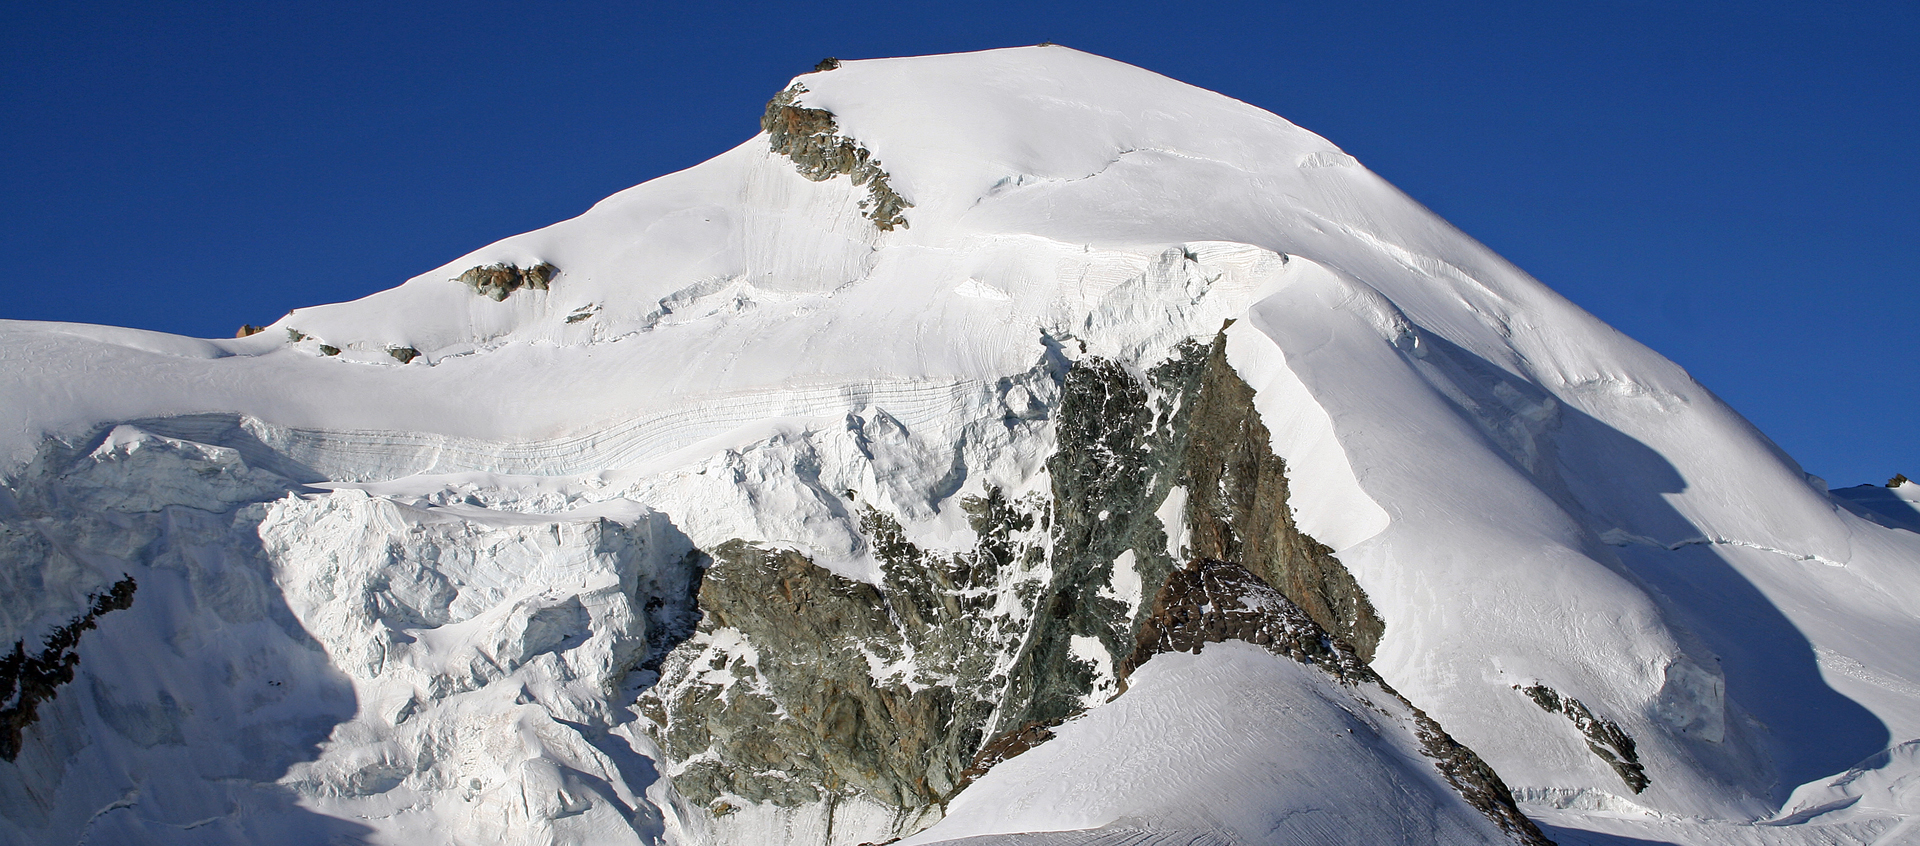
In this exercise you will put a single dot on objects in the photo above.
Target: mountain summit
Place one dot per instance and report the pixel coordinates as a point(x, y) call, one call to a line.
point(1014, 447)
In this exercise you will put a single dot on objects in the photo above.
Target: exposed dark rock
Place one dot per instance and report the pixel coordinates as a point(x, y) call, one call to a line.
point(28, 680)
point(1103, 499)
point(248, 329)
point(801, 686)
point(1003, 747)
point(403, 354)
point(1237, 508)
point(329, 349)
point(827, 64)
point(835, 688)
point(1605, 739)
point(1211, 601)
point(496, 281)
point(1476, 782)
point(1898, 480)
point(775, 688)
point(809, 137)
point(1124, 443)
point(296, 336)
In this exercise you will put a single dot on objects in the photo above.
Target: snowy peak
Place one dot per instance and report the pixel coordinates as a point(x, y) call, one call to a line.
point(952, 149)
point(986, 347)
point(957, 129)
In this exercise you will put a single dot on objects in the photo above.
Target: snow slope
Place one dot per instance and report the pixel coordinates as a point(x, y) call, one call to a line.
point(1281, 755)
point(1527, 496)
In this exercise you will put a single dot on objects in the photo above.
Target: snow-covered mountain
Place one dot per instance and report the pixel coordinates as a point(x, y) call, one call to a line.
point(1008, 447)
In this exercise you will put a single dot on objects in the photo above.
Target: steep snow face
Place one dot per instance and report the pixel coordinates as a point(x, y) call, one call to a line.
point(1529, 499)
point(489, 652)
point(446, 668)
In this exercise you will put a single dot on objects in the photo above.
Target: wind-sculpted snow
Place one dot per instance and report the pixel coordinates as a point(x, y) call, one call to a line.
point(403, 562)
point(1210, 601)
point(807, 137)
point(363, 456)
point(1238, 743)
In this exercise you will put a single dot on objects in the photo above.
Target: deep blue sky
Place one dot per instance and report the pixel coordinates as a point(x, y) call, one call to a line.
point(1732, 184)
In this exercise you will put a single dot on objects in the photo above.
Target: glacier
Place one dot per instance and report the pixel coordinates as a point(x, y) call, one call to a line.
point(919, 412)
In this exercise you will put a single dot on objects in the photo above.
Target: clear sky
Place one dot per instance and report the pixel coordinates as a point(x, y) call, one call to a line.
point(1734, 184)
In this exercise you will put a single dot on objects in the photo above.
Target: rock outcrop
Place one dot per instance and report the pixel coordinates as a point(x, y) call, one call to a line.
point(497, 281)
point(1105, 489)
point(801, 687)
point(1237, 508)
point(26, 680)
point(1211, 601)
point(1005, 746)
point(1183, 444)
point(1605, 739)
point(811, 139)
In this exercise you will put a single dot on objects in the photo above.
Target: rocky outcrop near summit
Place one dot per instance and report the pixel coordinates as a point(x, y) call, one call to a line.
point(811, 138)
point(497, 281)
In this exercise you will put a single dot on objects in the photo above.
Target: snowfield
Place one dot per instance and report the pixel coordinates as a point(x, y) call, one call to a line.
point(415, 601)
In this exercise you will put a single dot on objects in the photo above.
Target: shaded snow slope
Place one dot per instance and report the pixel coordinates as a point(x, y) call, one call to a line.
point(295, 662)
point(1234, 743)
point(1529, 498)
point(1896, 507)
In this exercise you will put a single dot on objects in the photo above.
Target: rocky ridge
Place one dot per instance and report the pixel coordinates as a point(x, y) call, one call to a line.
point(26, 680)
point(803, 688)
point(892, 697)
point(1605, 739)
point(811, 139)
point(497, 281)
point(1211, 601)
